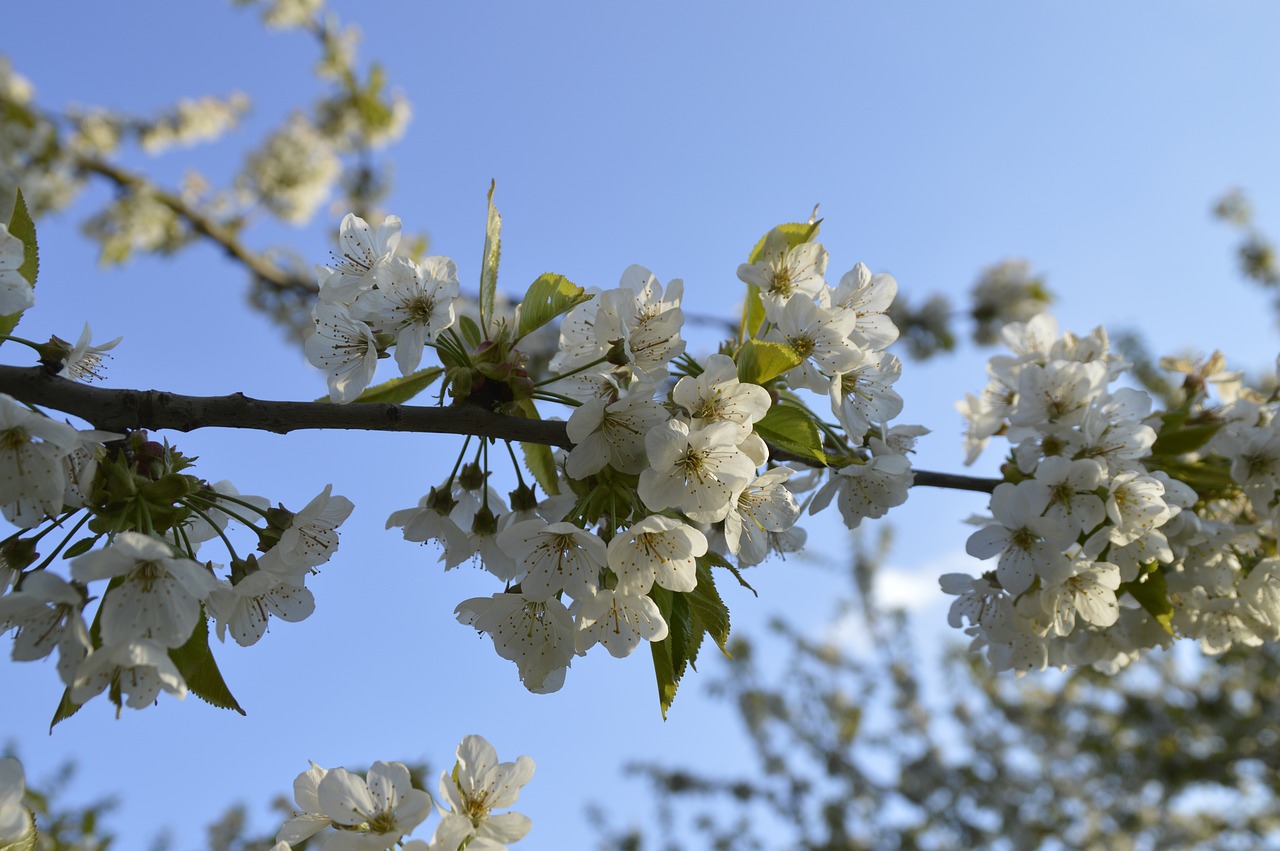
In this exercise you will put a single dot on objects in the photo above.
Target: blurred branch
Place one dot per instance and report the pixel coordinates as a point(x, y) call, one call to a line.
point(203, 225)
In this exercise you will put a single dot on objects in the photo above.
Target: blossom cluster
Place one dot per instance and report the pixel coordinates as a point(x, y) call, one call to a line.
point(338, 810)
point(135, 498)
point(671, 470)
point(1116, 528)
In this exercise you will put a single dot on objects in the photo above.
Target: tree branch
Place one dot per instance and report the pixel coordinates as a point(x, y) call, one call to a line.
point(203, 225)
point(119, 410)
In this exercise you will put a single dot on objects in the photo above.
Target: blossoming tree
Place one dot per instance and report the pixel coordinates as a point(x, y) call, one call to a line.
point(610, 478)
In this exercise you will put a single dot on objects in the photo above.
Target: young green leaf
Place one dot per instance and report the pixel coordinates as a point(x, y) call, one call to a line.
point(399, 390)
point(760, 362)
point(489, 265)
point(792, 430)
point(22, 227)
point(783, 237)
point(1152, 593)
point(548, 297)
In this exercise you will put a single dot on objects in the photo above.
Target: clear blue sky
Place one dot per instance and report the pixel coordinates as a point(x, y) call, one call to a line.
point(939, 138)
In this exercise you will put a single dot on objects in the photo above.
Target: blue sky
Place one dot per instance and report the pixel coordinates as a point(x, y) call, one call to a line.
point(938, 138)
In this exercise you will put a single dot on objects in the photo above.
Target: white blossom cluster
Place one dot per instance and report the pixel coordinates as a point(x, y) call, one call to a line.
point(1100, 550)
point(28, 149)
point(369, 291)
point(151, 520)
point(339, 810)
point(667, 468)
point(294, 170)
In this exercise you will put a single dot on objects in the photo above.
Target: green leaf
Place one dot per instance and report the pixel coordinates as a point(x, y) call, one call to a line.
point(760, 362)
point(709, 613)
point(196, 664)
point(80, 547)
point(714, 559)
point(752, 312)
point(470, 331)
point(542, 464)
point(664, 665)
point(783, 237)
point(792, 430)
point(489, 265)
point(399, 390)
point(1181, 439)
point(1152, 593)
point(22, 227)
point(66, 708)
point(548, 297)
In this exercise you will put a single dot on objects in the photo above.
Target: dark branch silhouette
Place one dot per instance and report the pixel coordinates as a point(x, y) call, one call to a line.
point(120, 410)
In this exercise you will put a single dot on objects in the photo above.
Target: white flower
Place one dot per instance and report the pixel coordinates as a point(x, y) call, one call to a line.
point(784, 271)
point(312, 535)
point(310, 819)
point(1028, 545)
point(246, 606)
point(373, 814)
point(867, 490)
point(611, 433)
point(867, 297)
point(554, 557)
point(818, 334)
point(17, 824)
point(159, 597)
point(46, 612)
point(80, 465)
point(764, 508)
point(1066, 489)
point(1090, 590)
point(718, 396)
point(363, 255)
point(478, 785)
point(864, 396)
point(32, 476)
point(699, 473)
point(537, 635)
point(344, 348)
point(656, 549)
point(16, 295)
point(141, 668)
point(1136, 506)
point(619, 621)
point(84, 360)
point(414, 302)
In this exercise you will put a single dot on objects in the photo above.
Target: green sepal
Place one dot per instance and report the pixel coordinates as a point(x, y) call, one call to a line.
point(784, 236)
point(80, 547)
point(489, 265)
point(470, 331)
point(399, 390)
point(760, 362)
point(1152, 593)
point(709, 613)
point(195, 662)
point(22, 227)
point(549, 296)
point(792, 430)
